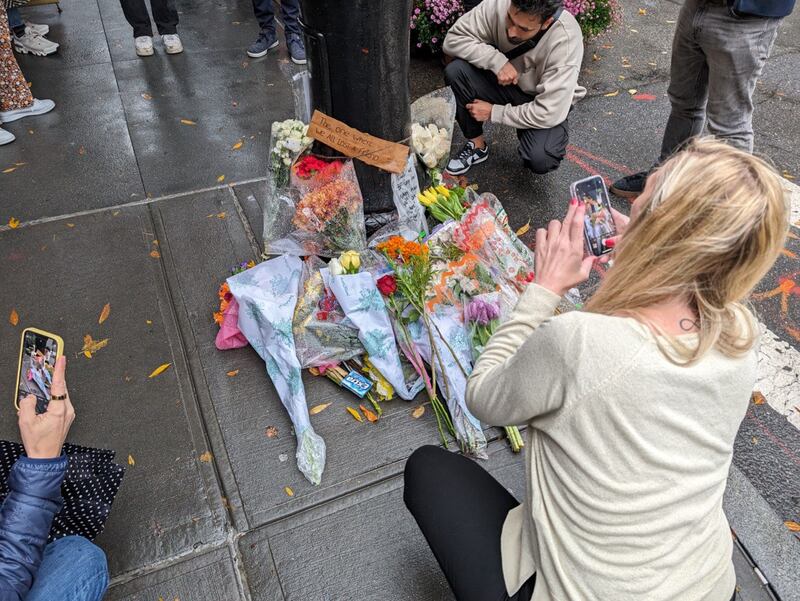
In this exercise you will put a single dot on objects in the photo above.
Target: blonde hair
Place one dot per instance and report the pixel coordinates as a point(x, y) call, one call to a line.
point(712, 228)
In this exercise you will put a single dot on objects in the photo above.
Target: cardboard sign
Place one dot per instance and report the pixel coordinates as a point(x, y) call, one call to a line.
point(405, 188)
point(383, 154)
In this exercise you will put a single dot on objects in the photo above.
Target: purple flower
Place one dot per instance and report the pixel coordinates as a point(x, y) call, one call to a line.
point(482, 312)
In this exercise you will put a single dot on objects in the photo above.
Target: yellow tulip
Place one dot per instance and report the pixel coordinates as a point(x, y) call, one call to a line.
point(423, 200)
point(443, 191)
point(350, 261)
point(430, 193)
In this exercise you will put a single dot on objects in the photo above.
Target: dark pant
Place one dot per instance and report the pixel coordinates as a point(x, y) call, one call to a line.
point(460, 509)
point(164, 14)
point(290, 13)
point(541, 149)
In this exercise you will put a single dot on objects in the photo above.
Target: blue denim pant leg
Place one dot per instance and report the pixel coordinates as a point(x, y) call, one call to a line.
point(14, 18)
point(73, 569)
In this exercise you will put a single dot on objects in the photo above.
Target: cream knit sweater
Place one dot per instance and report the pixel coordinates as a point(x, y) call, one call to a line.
point(549, 71)
point(627, 456)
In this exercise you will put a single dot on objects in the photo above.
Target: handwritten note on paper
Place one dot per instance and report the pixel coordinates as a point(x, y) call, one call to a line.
point(389, 156)
point(405, 188)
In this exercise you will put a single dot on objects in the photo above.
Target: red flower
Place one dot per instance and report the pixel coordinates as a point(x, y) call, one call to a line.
point(387, 285)
point(322, 315)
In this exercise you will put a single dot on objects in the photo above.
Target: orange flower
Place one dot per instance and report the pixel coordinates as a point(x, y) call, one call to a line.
point(398, 248)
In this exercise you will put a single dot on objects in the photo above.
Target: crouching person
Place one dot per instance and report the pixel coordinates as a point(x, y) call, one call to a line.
point(516, 64)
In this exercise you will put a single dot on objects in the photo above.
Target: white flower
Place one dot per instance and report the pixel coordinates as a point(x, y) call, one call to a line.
point(334, 267)
point(430, 160)
point(287, 161)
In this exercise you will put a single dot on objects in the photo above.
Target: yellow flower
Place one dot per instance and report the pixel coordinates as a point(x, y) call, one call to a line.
point(351, 261)
point(443, 191)
point(424, 200)
point(382, 387)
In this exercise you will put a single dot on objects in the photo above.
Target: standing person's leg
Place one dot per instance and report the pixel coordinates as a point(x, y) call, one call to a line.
point(136, 14)
point(542, 150)
point(737, 49)
point(14, 91)
point(688, 84)
point(165, 16)
point(290, 10)
point(461, 509)
point(72, 568)
point(265, 14)
point(15, 22)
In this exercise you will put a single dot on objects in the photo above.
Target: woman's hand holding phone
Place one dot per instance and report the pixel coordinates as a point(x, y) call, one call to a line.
point(43, 435)
point(621, 221)
point(560, 260)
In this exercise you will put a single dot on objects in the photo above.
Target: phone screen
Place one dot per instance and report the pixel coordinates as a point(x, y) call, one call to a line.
point(39, 354)
point(597, 222)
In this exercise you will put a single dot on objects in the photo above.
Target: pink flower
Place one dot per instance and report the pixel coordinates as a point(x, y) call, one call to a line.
point(482, 312)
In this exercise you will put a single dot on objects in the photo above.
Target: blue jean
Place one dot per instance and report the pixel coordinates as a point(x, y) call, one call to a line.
point(14, 19)
point(290, 11)
point(73, 569)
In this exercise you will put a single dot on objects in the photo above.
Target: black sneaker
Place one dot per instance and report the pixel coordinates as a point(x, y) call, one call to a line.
point(630, 186)
point(266, 41)
point(465, 159)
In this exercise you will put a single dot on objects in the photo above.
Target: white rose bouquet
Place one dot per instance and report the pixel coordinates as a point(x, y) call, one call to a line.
point(431, 143)
point(289, 139)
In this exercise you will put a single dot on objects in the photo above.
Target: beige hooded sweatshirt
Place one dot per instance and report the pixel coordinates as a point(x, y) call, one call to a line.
point(549, 71)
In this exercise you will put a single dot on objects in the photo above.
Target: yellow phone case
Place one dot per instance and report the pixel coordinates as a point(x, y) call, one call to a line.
point(59, 352)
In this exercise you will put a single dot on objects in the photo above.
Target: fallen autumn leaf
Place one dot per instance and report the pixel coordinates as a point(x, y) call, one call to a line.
point(13, 223)
point(206, 457)
point(159, 370)
point(356, 415)
point(91, 346)
point(131, 460)
point(758, 398)
point(238, 145)
point(105, 313)
point(221, 179)
point(188, 122)
point(271, 431)
point(233, 372)
point(792, 526)
point(524, 229)
point(288, 490)
point(13, 318)
point(611, 94)
point(318, 408)
point(371, 417)
point(418, 412)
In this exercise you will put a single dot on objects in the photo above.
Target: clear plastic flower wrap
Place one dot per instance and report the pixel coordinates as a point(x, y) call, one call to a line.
point(432, 119)
point(322, 333)
point(267, 295)
point(321, 214)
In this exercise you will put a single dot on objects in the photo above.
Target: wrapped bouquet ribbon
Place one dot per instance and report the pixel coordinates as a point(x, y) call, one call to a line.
point(267, 295)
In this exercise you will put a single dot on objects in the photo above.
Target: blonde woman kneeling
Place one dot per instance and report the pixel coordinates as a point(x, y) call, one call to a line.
point(632, 405)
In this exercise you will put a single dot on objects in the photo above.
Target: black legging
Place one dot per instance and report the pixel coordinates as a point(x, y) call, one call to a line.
point(460, 509)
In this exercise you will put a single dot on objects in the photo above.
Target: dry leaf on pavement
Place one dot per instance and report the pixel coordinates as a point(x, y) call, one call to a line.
point(13, 223)
point(371, 417)
point(91, 346)
point(206, 457)
point(13, 318)
point(356, 415)
point(159, 370)
point(271, 431)
point(417, 413)
point(131, 460)
point(233, 372)
point(758, 398)
point(524, 229)
point(318, 408)
point(792, 526)
point(105, 313)
point(188, 122)
point(238, 145)
point(221, 179)
point(611, 94)
point(288, 490)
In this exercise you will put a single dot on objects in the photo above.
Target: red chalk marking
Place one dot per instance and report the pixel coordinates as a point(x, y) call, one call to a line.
point(751, 414)
point(623, 169)
point(644, 97)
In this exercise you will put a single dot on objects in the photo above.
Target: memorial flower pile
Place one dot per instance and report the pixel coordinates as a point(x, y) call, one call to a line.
point(443, 203)
point(431, 19)
point(431, 143)
point(329, 213)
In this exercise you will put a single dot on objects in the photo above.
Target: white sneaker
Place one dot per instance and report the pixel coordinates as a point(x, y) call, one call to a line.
point(6, 137)
point(34, 43)
point(144, 45)
point(36, 28)
point(172, 43)
point(39, 107)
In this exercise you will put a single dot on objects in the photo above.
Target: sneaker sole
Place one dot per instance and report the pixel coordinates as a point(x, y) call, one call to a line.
point(4, 141)
point(24, 50)
point(173, 50)
point(623, 193)
point(13, 118)
point(260, 54)
point(468, 167)
point(297, 61)
point(149, 52)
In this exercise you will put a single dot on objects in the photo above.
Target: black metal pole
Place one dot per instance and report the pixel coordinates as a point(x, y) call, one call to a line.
point(358, 56)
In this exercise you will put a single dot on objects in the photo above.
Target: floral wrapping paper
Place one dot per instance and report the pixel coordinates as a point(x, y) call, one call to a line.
point(267, 295)
point(364, 306)
point(454, 349)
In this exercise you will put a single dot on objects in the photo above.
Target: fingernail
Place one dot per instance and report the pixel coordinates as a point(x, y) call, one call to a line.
point(610, 243)
point(573, 201)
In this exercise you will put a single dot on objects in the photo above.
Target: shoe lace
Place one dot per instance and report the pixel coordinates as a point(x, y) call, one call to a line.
point(466, 152)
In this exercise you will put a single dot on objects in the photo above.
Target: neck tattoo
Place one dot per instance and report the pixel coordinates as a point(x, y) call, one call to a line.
point(687, 325)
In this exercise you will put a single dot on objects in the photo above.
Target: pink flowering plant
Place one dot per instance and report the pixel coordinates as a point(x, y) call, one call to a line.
point(431, 19)
point(594, 16)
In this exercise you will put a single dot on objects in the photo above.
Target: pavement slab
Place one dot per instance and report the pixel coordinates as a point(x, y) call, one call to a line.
point(62, 274)
point(210, 576)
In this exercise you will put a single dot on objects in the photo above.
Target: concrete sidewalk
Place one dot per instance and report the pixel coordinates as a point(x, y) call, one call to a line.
point(118, 194)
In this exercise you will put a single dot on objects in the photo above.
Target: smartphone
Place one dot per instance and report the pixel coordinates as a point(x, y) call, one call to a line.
point(598, 224)
point(37, 362)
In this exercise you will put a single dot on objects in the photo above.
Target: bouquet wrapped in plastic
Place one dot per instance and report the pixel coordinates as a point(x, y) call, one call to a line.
point(322, 213)
point(358, 295)
point(322, 333)
point(432, 118)
point(267, 295)
point(451, 358)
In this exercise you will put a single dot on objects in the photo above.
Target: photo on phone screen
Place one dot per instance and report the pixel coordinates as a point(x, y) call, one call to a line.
point(598, 224)
point(39, 354)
